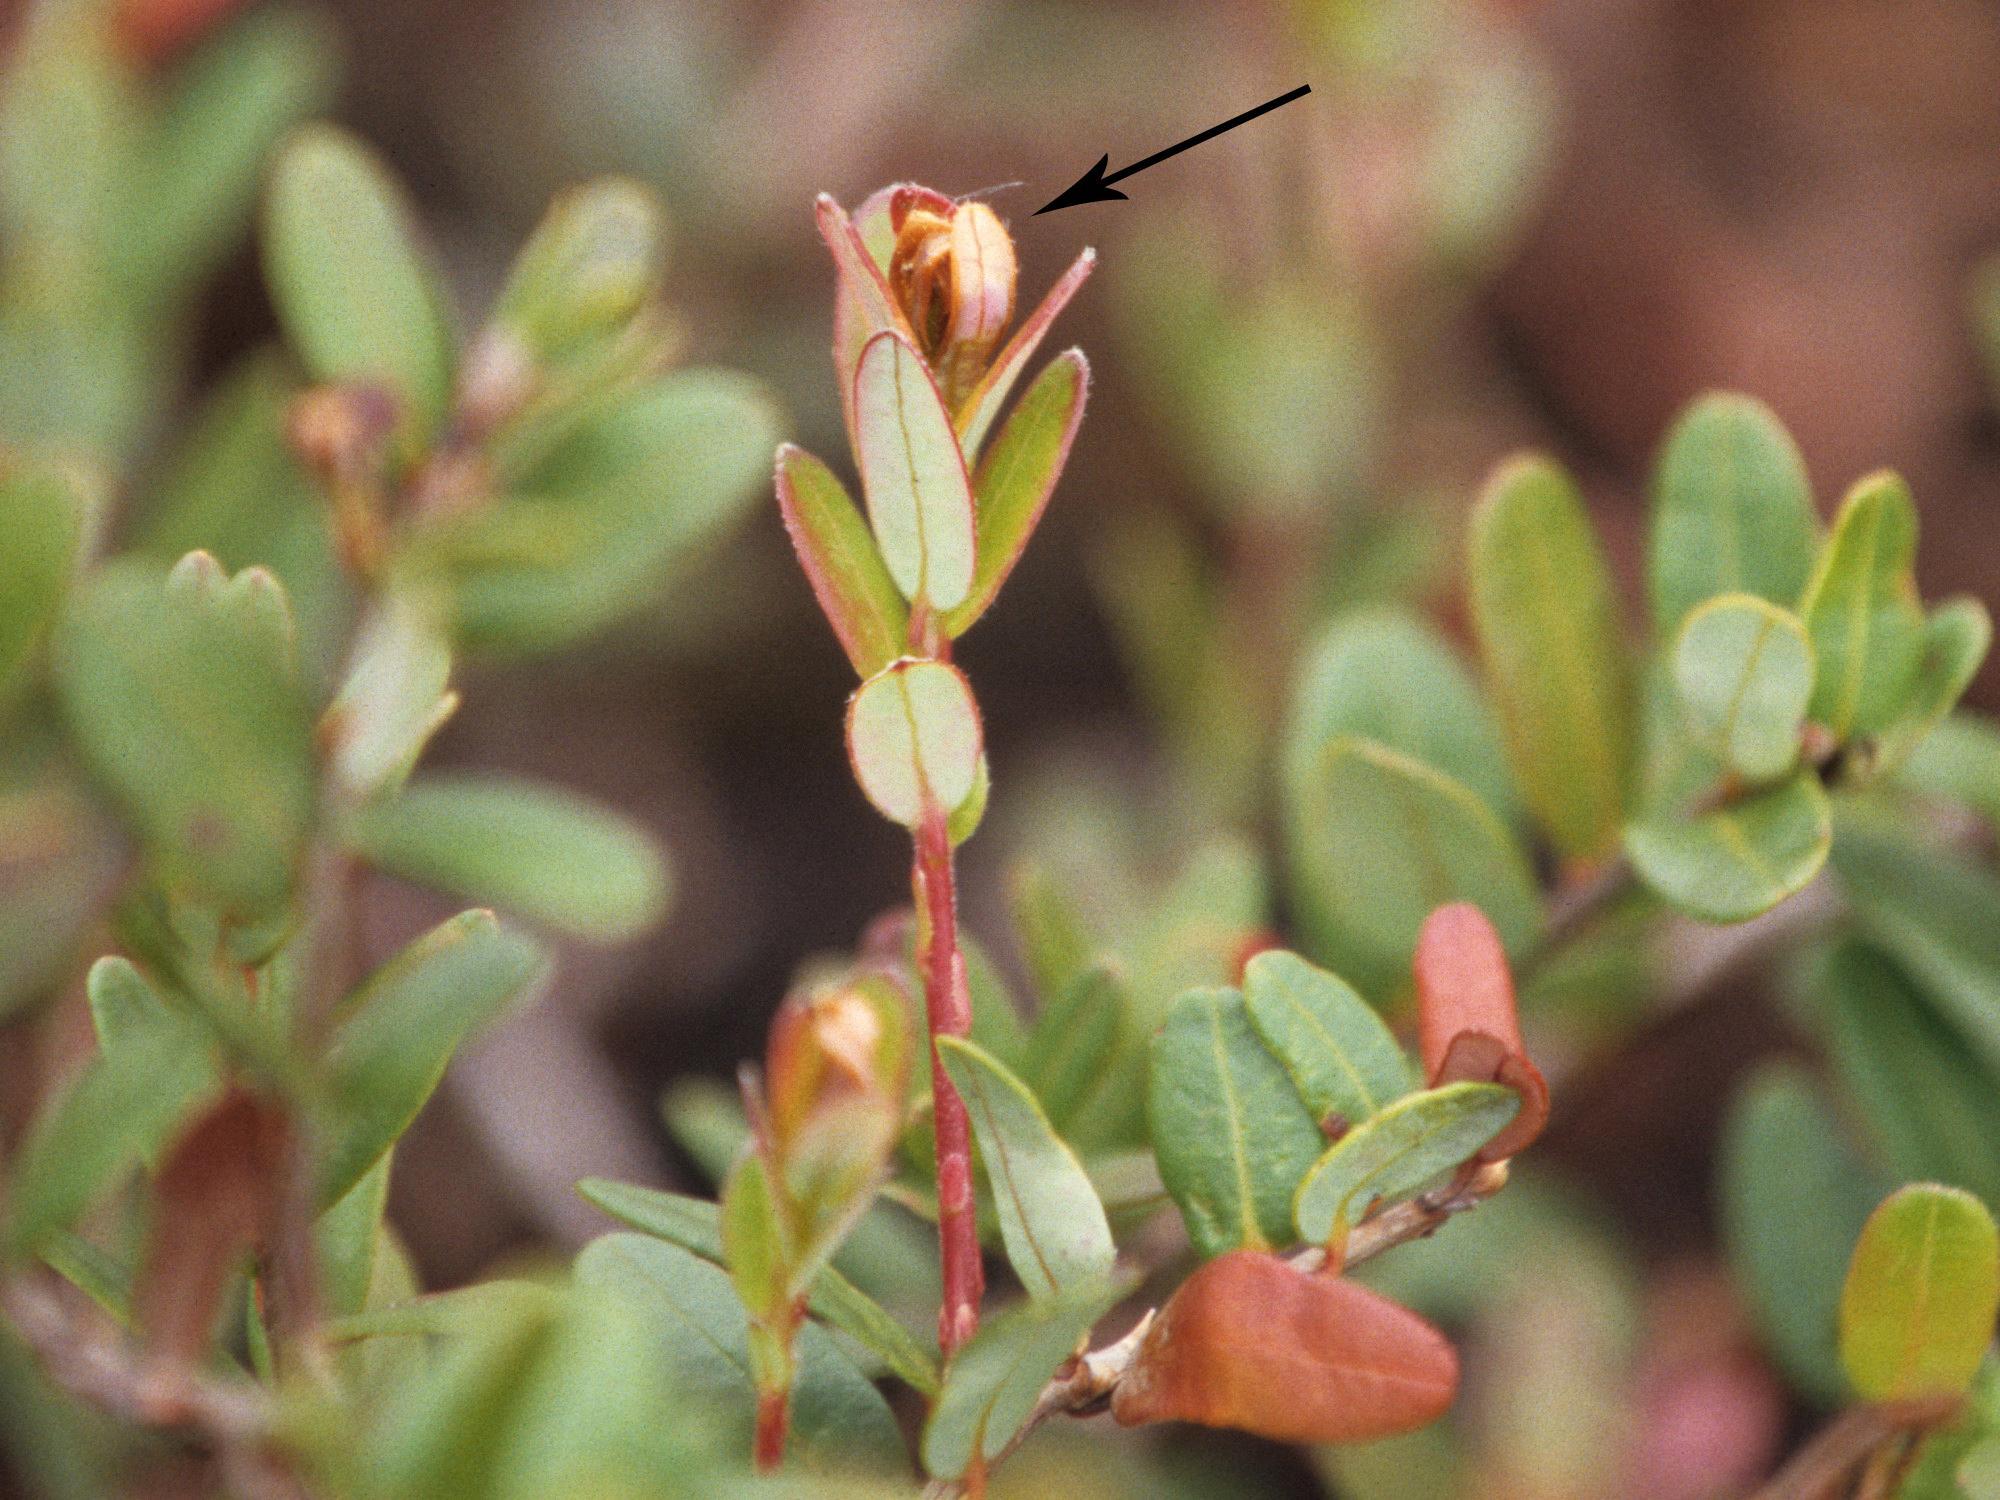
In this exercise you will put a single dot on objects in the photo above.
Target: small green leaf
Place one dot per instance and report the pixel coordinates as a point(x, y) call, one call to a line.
point(1549, 634)
point(863, 306)
point(1017, 475)
point(1732, 510)
point(1744, 670)
point(1916, 1315)
point(913, 475)
point(1339, 1053)
point(1380, 841)
point(42, 516)
point(1921, 1090)
point(1072, 1041)
point(995, 1379)
point(186, 699)
point(395, 698)
point(1398, 1152)
point(842, 562)
point(839, 1424)
point(913, 736)
point(1793, 1197)
point(545, 854)
point(592, 529)
point(154, 1065)
point(349, 1236)
point(1738, 861)
point(1958, 761)
point(754, 1248)
point(1050, 1218)
point(695, 1225)
point(357, 297)
point(1933, 909)
point(592, 263)
point(399, 1031)
point(1232, 1136)
point(1860, 608)
point(1385, 676)
point(1956, 637)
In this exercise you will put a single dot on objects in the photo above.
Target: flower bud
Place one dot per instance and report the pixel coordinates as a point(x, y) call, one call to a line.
point(952, 273)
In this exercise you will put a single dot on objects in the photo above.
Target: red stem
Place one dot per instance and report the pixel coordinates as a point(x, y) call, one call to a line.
point(768, 1444)
point(949, 1005)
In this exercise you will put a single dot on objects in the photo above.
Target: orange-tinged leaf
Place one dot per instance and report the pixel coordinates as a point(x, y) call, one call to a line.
point(1467, 1026)
point(1252, 1343)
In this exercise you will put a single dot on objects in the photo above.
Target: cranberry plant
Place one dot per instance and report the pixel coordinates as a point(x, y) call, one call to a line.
point(1175, 1187)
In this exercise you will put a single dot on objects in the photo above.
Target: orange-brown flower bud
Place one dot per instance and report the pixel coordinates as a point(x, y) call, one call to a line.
point(952, 273)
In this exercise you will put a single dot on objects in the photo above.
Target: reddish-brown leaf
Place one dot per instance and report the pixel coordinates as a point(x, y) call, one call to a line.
point(1253, 1343)
point(215, 1199)
point(1467, 1028)
point(154, 33)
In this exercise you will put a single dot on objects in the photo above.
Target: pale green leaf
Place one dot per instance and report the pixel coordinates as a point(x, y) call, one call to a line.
point(1956, 637)
point(1738, 861)
point(1793, 1197)
point(356, 294)
point(842, 562)
point(398, 1032)
point(1744, 671)
point(994, 1380)
point(1861, 610)
point(1051, 1221)
point(542, 853)
point(1399, 1151)
point(913, 476)
point(1732, 510)
point(1340, 1054)
point(1550, 637)
point(694, 1225)
point(592, 263)
point(1017, 475)
point(1380, 841)
point(394, 699)
point(42, 518)
point(913, 736)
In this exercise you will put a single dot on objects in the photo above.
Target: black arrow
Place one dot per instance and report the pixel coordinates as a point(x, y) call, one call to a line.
point(1095, 186)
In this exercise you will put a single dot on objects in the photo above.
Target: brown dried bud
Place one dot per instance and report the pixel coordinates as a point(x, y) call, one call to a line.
point(952, 273)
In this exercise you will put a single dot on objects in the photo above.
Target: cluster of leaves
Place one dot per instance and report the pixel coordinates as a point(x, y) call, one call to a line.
point(200, 764)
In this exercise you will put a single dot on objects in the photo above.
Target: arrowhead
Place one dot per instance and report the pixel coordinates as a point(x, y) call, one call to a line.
point(1089, 188)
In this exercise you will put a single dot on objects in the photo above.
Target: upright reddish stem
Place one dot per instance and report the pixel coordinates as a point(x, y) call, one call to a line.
point(949, 1006)
point(768, 1442)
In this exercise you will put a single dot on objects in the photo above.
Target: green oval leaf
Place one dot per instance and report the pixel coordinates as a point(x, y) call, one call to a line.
point(1385, 676)
point(839, 1421)
point(592, 263)
point(913, 475)
point(399, 1031)
point(695, 1225)
point(358, 299)
point(42, 516)
point(1341, 1057)
point(538, 851)
point(1232, 1136)
point(841, 562)
point(980, 407)
point(1793, 1197)
point(1051, 1221)
point(1744, 670)
point(1398, 1152)
point(1017, 475)
point(1549, 634)
point(1916, 1315)
point(1380, 841)
point(1738, 861)
point(1956, 638)
point(185, 698)
point(1860, 608)
point(994, 1381)
point(153, 1067)
point(913, 736)
point(1732, 510)
point(395, 698)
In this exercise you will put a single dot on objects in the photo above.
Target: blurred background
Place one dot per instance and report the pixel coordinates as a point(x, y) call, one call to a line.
point(1493, 224)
